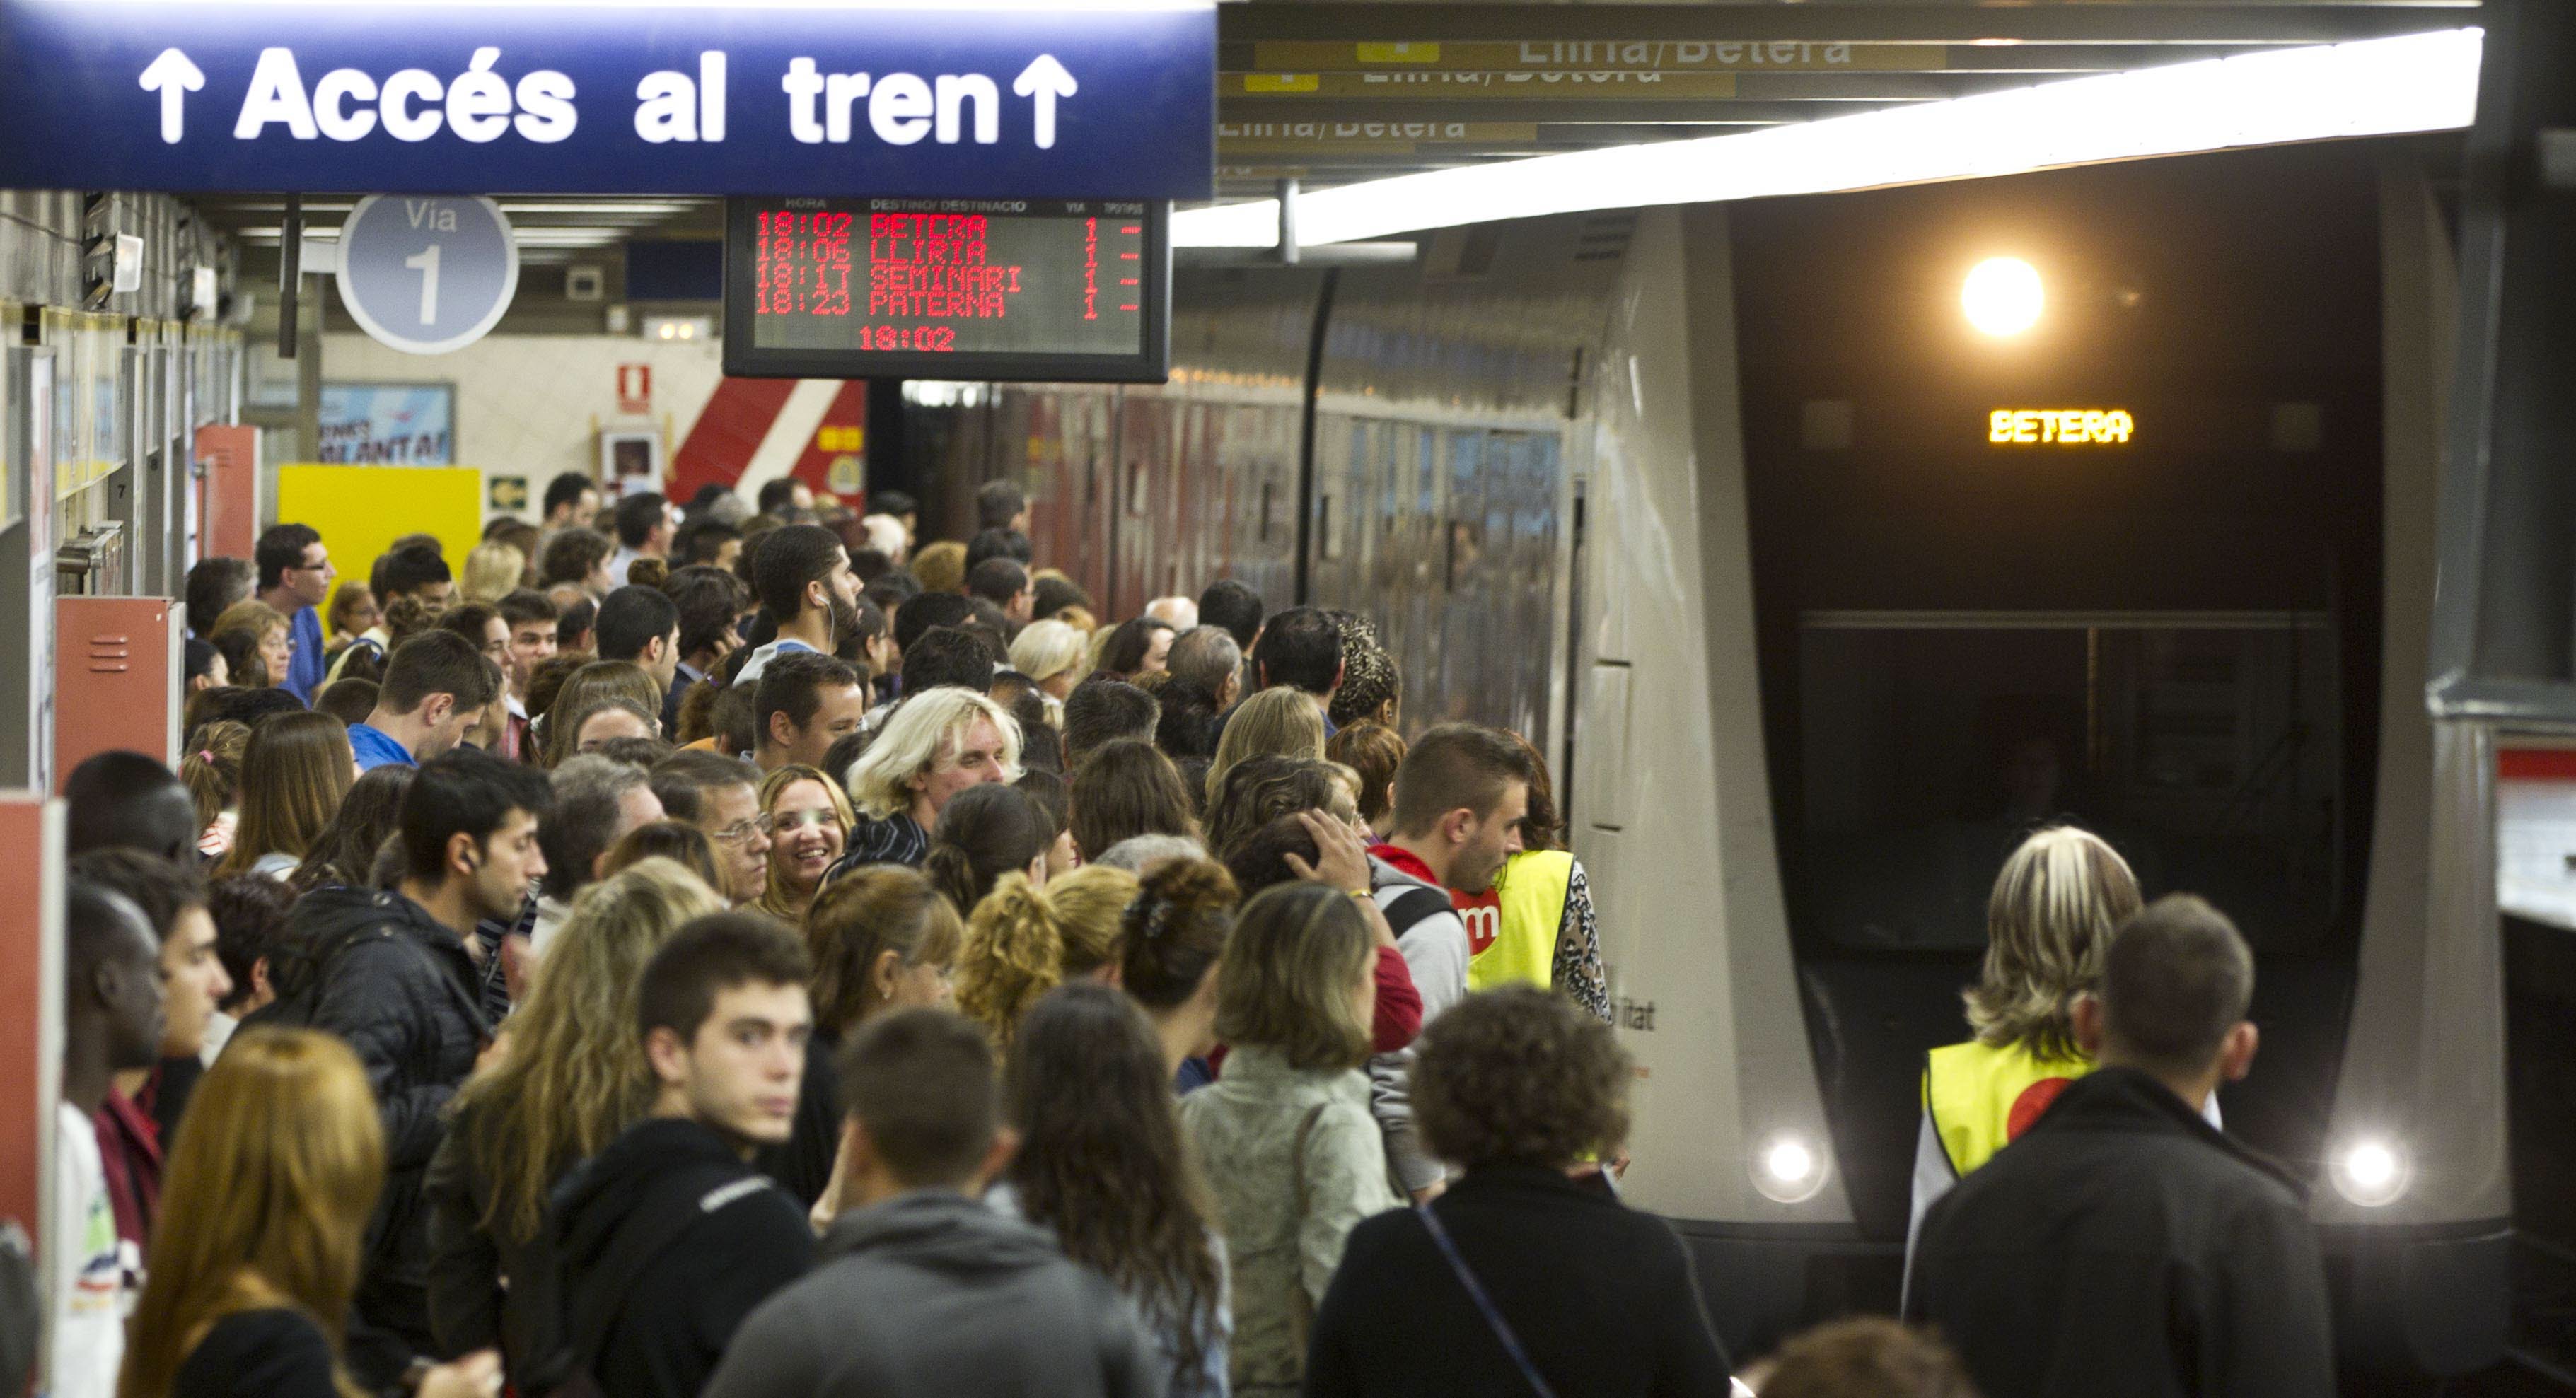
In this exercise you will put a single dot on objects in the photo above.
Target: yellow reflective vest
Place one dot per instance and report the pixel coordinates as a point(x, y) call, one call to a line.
point(1980, 1099)
point(1512, 940)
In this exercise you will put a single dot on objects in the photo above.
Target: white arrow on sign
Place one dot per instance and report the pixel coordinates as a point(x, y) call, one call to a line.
point(1045, 80)
point(174, 77)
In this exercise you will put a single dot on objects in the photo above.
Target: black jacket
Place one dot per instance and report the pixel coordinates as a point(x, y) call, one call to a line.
point(398, 985)
point(1601, 1297)
point(667, 1239)
point(802, 1164)
point(272, 1353)
point(470, 1306)
point(2124, 1249)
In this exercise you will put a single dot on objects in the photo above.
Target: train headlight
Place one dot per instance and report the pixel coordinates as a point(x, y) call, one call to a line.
point(2003, 296)
point(1788, 1168)
point(2370, 1171)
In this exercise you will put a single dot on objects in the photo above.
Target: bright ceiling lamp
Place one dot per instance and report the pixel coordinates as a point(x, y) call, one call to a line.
point(2376, 87)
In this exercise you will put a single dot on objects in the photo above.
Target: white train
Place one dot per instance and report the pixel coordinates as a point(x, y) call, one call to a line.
point(1709, 501)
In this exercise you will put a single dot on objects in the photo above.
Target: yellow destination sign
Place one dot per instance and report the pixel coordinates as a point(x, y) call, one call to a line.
point(1525, 84)
point(2060, 427)
point(1643, 55)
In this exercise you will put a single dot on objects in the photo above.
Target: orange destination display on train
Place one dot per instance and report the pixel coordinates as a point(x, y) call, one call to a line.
point(2060, 427)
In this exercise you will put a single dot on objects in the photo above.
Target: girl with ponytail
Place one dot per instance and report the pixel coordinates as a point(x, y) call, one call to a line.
point(1024, 941)
point(984, 833)
point(1175, 935)
point(213, 773)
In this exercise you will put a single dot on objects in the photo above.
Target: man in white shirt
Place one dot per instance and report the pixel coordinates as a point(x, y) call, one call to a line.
point(644, 530)
point(111, 1024)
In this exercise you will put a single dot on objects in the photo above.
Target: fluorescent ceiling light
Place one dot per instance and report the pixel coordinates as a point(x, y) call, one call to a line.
point(2376, 87)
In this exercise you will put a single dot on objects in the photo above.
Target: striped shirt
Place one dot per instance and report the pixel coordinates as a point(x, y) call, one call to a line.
point(897, 839)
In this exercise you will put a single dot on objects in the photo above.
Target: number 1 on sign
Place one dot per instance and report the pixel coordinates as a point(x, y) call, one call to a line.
point(426, 263)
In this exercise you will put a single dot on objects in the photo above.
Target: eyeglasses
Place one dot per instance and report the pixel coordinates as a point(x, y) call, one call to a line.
point(742, 830)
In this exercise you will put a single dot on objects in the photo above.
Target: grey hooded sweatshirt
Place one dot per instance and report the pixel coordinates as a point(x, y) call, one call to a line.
point(932, 1293)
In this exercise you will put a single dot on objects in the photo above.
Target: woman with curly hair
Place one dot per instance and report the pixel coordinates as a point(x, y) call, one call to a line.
point(1100, 1163)
point(1527, 1269)
point(1025, 940)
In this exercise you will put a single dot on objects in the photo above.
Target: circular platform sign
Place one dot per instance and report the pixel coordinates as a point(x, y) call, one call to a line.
point(426, 275)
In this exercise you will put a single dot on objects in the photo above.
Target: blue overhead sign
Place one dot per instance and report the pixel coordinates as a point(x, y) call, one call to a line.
point(922, 100)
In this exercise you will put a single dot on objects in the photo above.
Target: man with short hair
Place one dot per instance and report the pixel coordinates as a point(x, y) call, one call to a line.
point(416, 571)
point(1207, 656)
point(1232, 604)
point(141, 1116)
point(787, 500)
point(1102, 710)
point(642, 625)
point(644, 530)
point(213, 586)
point(804, 703)
point(1005, 584)
point(802, 573)
point(668, 1238)
point(1001, 505)
point(2122, 1244)
point(572, 502)
point(433, 694)
point(394, 972)
point(533, 622)
point(708, 542)
point(112, 1013)
point(999, 543)
point(1179, 613)
point(923, 1289)
point(944, 656)
point(710, 602)
point(295, 576)
point(125, 800)
point(1460, 794)
point(597, 801)
point(719, 795)
point(1302, 649)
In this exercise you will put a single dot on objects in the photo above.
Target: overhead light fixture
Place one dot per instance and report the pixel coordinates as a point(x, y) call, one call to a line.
point(680, 329)
point(2002, 296)
point(2374, 87)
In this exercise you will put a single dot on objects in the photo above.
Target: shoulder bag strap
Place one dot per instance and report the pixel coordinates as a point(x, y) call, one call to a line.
point(1476, 1292)
point(1303, 1313)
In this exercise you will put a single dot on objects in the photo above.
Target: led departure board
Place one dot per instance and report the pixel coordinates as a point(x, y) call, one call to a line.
point(1062, 289)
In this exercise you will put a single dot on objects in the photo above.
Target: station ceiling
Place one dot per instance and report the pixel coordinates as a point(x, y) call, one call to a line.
point(1328, 92)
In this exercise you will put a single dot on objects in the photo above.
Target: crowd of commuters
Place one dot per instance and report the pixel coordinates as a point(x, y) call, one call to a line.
point(747, 950)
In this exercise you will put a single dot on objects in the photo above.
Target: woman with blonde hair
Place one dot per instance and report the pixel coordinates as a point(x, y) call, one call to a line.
point(263, 1223)
point(256, 641)
point(1024, 940)
point(295, 773)
point(810, 821)
point(1285, 1135)
point(880, 939)
point(492, 571)
point(2049, 920)
point(1051, 653)
point(574, 1078)
point(1280, 721)
point(937, 744)
point(941, 567)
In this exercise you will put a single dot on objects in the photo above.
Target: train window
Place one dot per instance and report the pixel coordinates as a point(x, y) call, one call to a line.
point(2205, 747)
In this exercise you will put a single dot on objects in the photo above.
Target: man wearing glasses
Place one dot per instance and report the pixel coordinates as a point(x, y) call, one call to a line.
point(715, 793)
point(295, 576)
